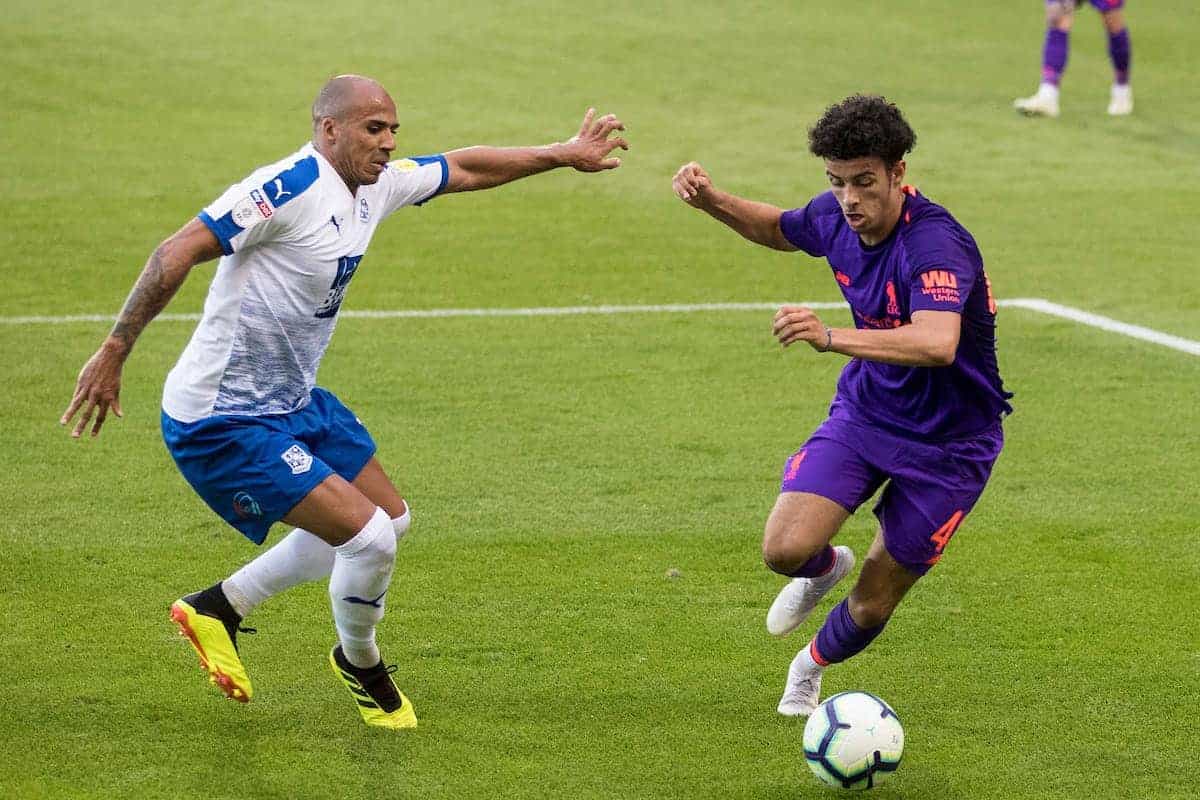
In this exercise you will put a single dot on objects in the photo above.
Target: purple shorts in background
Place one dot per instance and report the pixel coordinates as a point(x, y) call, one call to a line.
point(930, 487)
point(1099, 5)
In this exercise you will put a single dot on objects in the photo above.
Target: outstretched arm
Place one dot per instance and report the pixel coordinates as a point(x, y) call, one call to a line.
point(473, 168)
point(758, 222)
point(99, 384)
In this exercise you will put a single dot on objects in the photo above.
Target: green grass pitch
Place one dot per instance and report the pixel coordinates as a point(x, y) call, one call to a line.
point(578, 610)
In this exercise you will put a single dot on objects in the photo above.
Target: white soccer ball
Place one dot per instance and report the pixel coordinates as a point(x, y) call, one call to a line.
point(853, 741)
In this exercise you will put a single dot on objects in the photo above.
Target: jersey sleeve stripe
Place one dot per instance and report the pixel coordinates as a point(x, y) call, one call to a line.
point(223, 228)
point(290, 183)
point(435, 159)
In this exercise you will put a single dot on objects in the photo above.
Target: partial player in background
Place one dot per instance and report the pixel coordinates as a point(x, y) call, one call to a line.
point(242, 415)
point(1060, 16)
point(918, 407)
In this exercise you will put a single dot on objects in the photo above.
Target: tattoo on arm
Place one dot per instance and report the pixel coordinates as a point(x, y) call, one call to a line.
point(155, 287)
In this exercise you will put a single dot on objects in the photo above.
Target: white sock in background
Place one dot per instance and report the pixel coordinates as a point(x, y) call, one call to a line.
point(298, 557)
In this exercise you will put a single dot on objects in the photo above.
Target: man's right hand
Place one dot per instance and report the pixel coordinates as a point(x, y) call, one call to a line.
point(692, 183)
point(97, 389)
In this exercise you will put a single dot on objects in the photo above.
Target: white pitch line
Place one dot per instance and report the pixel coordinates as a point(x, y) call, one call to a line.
point(551, 311)
point(1031, 304)
point(1107, 324)
point(438, 313)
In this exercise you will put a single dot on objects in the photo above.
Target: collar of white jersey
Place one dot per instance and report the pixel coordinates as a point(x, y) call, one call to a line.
point(327, 169)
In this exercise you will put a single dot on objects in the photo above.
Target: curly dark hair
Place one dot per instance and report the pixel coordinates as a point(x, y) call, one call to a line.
point(860, 126)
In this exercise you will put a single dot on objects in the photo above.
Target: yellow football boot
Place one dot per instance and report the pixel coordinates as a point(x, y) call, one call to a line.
point(214, 642)
point(379, 701)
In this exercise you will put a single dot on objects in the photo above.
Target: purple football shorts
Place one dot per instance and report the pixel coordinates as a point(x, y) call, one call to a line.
point(1099, 5)
point(928, 487)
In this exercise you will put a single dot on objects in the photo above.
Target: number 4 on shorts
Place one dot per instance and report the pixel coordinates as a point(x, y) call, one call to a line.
point(941, 537)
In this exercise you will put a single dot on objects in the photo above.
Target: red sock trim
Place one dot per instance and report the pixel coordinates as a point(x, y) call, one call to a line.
point(816, 654)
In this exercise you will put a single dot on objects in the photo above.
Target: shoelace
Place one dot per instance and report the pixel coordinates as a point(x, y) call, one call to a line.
point(382, 688)
point(794, 692)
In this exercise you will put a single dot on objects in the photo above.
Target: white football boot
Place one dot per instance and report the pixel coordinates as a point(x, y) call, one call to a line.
point(802, 693)
point(800, 596)
point(1043, 103)
point(1120, 102)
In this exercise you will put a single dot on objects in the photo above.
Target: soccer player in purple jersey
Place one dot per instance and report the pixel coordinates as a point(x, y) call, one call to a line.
point(918, 407)
point(1060, 16)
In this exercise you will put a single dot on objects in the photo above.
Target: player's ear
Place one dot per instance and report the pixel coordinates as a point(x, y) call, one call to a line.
point(329, 129)
point(898, 170)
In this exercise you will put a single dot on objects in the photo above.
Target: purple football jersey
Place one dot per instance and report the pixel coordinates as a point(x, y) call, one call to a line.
point(928, 262)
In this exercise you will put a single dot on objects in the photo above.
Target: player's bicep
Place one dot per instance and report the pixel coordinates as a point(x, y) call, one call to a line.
point(940, 332)
point(781, 241)
point(194, 243)
point(459, 176)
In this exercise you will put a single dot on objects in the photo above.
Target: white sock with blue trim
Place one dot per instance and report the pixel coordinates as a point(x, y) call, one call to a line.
point(362, 571)
point(297, 558)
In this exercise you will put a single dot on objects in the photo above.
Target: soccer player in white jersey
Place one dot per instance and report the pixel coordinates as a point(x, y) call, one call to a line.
point(242, 415)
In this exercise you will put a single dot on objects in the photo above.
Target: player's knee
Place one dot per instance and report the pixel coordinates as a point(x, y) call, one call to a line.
point(1059, 16)
point(786, 551)
point(379, 544)
point(401, 523)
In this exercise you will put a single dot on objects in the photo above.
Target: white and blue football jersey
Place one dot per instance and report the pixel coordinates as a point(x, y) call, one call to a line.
point(293, 237)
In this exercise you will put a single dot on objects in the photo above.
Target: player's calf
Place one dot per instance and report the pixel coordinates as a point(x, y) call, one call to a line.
point(362, 572)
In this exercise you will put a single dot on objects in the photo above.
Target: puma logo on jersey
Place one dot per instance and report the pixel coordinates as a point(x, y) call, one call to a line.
point(279, 190)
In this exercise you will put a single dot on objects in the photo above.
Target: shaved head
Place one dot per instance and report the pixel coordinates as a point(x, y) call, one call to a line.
point(354, 127)
point(344, 94)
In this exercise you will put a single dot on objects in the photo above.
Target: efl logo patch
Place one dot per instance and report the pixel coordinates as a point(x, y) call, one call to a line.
point(263, 206)
point(251, 210)
point(297, 459)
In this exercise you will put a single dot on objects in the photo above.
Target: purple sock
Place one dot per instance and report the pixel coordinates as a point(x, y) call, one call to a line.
point(1054, 55)
point(840, 637)
point(819, 564)
point(1119, 52)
